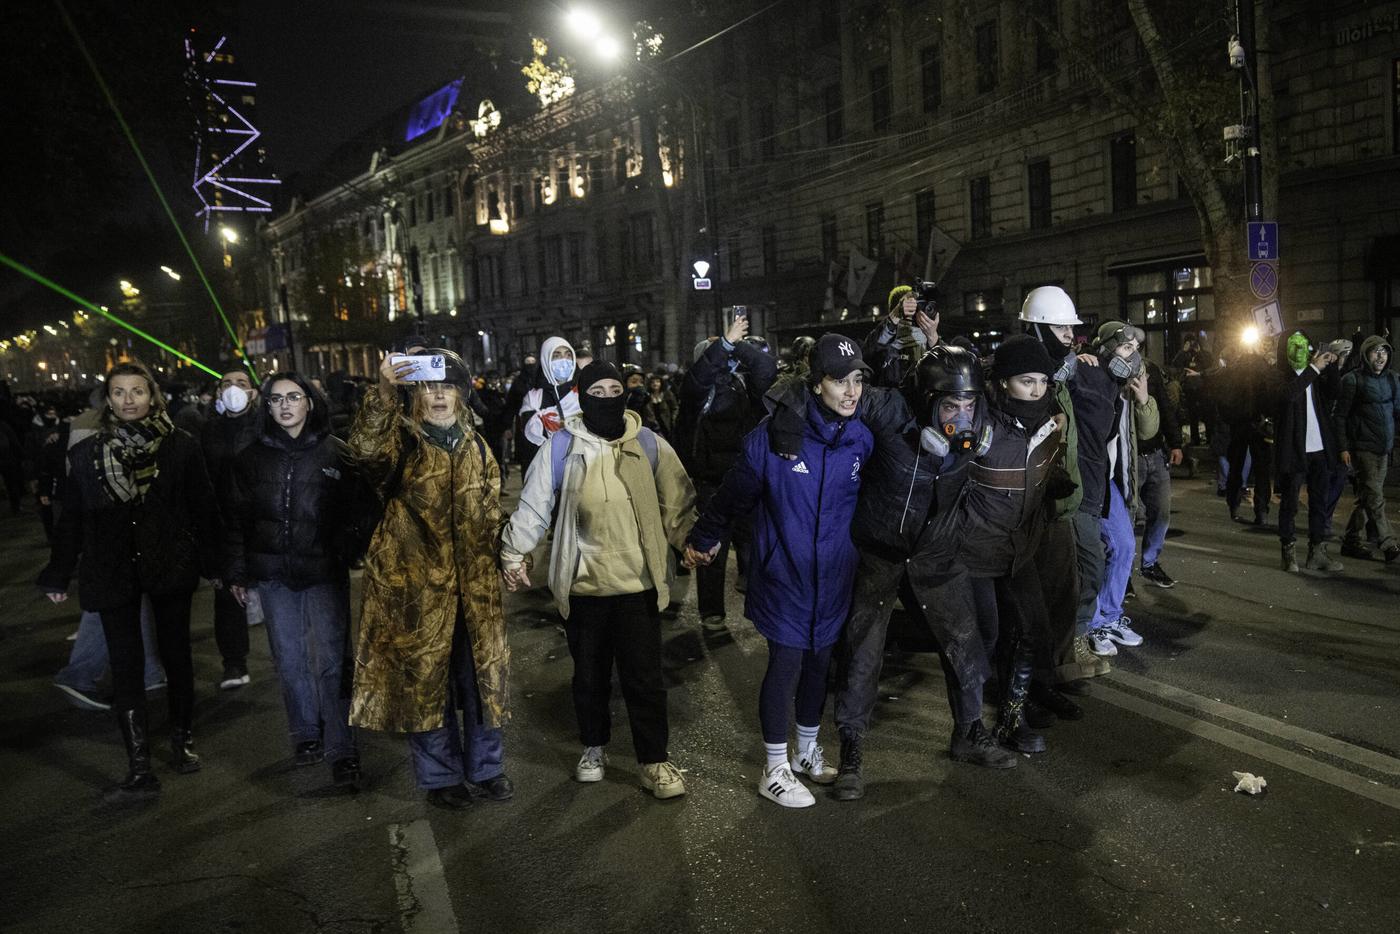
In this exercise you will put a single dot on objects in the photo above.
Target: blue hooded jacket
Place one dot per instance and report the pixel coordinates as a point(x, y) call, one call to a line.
point(803, 562)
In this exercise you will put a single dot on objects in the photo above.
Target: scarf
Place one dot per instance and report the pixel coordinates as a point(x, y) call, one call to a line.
point(126, 456)
point(1030, 413)
point(444, 436)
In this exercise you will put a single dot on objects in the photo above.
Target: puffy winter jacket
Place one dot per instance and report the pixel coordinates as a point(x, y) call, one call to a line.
point(162, 544)
point(719, 406)
point(224, 436)
point(1368, 405)
point(800, 584)
point(1002, 515)
point(286, 504)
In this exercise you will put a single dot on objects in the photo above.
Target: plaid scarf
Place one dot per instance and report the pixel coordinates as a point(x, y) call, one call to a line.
point(126, 458)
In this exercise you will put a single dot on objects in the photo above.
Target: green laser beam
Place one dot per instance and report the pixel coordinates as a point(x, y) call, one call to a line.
point(37, 277)
point(140, 157)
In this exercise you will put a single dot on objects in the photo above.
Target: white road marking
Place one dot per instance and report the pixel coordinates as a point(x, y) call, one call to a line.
point(1321, 771)
point(424, 905)
point(1339, 749)
point(1202, 548)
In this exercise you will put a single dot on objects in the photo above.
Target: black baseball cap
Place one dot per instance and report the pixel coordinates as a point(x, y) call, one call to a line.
point(836, 355)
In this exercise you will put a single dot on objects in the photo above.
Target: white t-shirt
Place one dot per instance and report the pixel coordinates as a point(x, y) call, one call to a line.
point(1313, 445)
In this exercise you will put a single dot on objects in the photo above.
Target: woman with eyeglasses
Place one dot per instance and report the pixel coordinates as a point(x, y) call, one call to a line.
point(432, 637)
point(287, 497)
point(139, 519)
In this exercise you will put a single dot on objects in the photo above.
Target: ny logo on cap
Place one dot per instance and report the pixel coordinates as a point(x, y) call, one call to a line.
point(846, 349)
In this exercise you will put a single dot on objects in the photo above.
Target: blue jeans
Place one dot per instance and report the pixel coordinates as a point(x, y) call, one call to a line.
point(439, 757)
point(1119, 545)
point(1155, 500)
point(87, 663)
point(308, 633)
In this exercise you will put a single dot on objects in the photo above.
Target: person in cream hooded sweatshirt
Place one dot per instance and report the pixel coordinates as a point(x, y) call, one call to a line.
point(618, 500)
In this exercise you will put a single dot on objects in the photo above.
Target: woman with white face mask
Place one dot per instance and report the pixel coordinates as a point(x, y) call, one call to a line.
point(139, 514)
point(547, 407)
point(237, 425)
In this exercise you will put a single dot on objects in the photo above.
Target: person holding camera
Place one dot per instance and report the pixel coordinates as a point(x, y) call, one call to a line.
point(721, 402)
point(911, 328)
point(617, 500)
point(432, 637)
point(287, 497)
point(139, 512)
point(1306, 453)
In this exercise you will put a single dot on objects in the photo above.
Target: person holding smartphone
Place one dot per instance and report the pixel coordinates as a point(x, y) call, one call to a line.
point(432, 637)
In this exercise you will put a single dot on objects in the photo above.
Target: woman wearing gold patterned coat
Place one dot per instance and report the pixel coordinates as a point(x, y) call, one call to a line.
point(432, 636)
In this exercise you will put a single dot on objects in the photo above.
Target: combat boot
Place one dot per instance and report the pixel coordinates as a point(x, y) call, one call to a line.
point(849, 786)
point(1320, 560)
point(977, 746)
point(1290, 558)
point(1012, 731)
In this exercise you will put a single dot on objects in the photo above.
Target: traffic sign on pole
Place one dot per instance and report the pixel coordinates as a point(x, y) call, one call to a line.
point(1262, 240)
point(1263, 280)
point(701, 285)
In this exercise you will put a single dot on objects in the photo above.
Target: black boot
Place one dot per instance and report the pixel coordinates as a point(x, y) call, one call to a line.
point(976, 745)
point(1012, 730)
point(1048, 698)
point(139, 782)
point(849, 784)
point(181, 714)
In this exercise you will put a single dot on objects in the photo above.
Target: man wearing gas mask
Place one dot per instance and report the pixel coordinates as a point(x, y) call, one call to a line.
point(1115, 422)
point(237, 425)
point(1306, 452)
point(906, 531)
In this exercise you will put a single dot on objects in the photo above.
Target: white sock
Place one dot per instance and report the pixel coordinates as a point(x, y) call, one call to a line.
point(806, 737)
point(777, 754)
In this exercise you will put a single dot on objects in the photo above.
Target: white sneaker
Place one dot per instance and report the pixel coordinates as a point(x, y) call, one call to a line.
point(663, 780)
point(811, 762)
point(780, 786)
point(1100, 644)
point(590, 766)
point(1122, 632)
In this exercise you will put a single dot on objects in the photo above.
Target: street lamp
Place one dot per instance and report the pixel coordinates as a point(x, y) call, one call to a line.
point(170, 272)
point(229, 234)
point(584, 23)
point(128, 290)
point(609, 49)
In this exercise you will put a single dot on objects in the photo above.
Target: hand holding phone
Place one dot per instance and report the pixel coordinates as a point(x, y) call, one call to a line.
point(426, 367)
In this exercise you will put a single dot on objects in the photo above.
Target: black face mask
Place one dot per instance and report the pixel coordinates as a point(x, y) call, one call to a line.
point(604, 417)
point(1028, 412)
point(1049, 341)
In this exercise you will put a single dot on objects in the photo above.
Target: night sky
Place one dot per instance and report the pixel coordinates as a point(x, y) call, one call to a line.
point(328, 68)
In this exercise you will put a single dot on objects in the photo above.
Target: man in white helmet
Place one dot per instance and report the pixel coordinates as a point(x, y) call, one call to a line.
point(1048, 314)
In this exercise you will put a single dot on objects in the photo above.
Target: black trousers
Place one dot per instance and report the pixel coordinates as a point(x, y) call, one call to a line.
point(13, 475)
point(1319, 476)
point(624, 630)
point(709, 578)
point(1058, 571)
point(122, 627)
point(230, 629)
point(1245, 439)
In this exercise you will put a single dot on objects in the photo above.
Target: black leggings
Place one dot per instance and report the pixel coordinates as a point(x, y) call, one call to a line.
point(122, 627)
point(808, 667)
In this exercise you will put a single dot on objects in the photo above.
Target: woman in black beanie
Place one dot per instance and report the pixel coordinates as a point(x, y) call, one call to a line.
point(1004, 520)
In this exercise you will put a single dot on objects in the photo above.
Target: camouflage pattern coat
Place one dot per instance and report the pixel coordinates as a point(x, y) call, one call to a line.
point(434, 549)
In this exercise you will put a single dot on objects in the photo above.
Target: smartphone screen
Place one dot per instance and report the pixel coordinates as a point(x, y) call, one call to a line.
point(741, 311)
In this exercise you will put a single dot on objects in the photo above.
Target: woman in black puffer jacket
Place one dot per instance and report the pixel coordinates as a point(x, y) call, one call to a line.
point(139, 511)
point(287, 499)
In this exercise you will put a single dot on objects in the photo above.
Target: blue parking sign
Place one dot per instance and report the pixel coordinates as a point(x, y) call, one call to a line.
point(1263, 240)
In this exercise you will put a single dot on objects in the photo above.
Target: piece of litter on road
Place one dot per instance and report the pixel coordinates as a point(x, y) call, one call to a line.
point(1250, 783)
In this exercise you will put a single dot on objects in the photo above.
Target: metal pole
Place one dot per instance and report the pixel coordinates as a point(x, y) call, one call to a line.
point(1249, 104)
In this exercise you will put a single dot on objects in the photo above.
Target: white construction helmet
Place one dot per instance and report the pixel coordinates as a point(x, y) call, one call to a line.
point(1049, 304)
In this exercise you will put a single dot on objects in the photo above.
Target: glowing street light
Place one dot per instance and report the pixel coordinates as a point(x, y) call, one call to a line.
point(170, 272)
point(229, 234)
point(608, 48)
point(584, 23)
point(1250, 336)
point(128, 290)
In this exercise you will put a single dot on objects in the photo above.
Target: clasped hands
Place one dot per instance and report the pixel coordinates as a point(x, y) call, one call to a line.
point(693, 559)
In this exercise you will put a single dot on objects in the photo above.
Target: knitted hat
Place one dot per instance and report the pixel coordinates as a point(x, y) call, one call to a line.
point(1021, 354)
point(595, 371)
point(897, 295)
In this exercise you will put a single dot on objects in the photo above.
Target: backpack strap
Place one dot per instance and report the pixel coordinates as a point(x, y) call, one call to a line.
point(647, 438)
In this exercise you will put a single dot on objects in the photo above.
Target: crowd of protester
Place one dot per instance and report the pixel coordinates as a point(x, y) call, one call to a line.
point(993, 494)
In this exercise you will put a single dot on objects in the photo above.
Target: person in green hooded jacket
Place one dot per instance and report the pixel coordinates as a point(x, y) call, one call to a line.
point(1368, 406)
